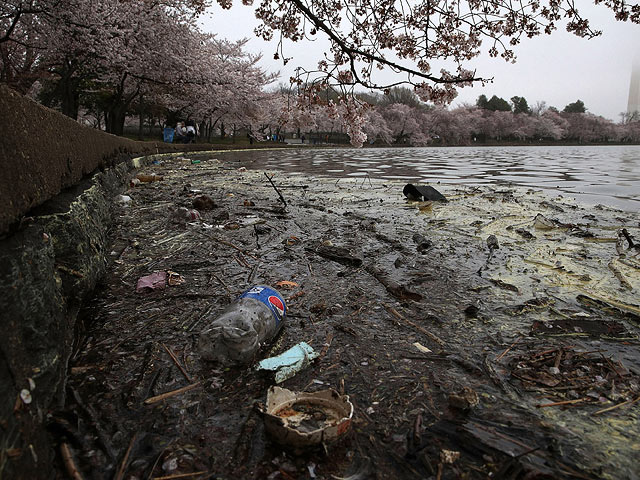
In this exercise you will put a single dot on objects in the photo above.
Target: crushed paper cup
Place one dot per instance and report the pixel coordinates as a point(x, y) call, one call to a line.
point(174, 278)
point(303, 419)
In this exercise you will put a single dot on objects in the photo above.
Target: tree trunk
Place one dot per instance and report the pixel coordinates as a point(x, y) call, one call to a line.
point(69, 92)
point(115, 117)
point(70, 99)
point(140, 117)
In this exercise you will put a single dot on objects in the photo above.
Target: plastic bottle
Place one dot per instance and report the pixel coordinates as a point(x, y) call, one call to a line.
point(252, 320)
point(149, 178)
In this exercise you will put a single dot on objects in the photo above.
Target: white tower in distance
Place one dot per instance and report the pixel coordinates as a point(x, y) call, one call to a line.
point(634, 88)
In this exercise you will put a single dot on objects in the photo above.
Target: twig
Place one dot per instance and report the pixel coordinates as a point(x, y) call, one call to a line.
point(507, 350)
point(564, 402)
point(255, 232)
point(102, 436)
point(440, 470)
point(224, 242)
point(628, 402)
point(276, 189)
point(175, 360)
point(629, 239)
point(327, 344)
point(229, 244)
point(221, 282)
point(618, 274)
point(173, 393)
point(286, 475)
point(180, 475)
point(395, 313)
point(559, 313)
point(247, 264)
point(417, 427)
point(252, 273)
point(70, 271)
point(123, 465)
point(611, 365)
point(158, 459)
point(69, 464)
point(558, 359)
point(239, 262)
point(534, 449)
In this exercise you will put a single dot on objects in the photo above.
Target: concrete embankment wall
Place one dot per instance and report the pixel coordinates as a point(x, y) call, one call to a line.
point(57, 184)
point(43, 152)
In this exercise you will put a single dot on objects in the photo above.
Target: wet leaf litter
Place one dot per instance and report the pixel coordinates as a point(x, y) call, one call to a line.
point(529, 357)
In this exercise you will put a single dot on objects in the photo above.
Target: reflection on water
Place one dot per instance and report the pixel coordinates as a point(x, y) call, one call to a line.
point(607, 175)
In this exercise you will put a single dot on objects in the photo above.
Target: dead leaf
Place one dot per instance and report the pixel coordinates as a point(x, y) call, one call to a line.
point(286, 284)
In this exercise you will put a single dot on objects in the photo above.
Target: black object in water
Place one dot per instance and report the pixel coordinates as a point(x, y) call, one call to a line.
point(417, 192)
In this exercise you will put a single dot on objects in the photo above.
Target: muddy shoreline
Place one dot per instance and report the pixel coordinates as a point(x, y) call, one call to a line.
point(541, 332)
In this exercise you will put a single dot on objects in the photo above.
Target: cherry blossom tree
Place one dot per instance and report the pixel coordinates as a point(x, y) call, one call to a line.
point(408, 36)
point(21, 41)
point(413, 37)
point(406, 124)
point(376, 127)
point(586, 127)
point(551, 126)
point(221, 84)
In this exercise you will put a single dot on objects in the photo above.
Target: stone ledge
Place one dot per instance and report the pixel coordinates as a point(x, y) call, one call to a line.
point(47, 268)
point(42, 153)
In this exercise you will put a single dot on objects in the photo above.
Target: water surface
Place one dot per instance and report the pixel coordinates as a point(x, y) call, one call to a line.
point(608, 175)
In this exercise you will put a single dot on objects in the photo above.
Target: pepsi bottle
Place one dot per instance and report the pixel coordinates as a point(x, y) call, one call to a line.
point(252, 320)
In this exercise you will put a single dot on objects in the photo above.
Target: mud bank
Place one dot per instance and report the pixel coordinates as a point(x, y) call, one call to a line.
point(475, 337)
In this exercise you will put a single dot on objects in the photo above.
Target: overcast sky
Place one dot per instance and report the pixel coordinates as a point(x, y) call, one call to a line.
point(558, 69)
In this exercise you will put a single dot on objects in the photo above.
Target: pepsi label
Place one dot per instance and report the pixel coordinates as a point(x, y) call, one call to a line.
point(270, 298)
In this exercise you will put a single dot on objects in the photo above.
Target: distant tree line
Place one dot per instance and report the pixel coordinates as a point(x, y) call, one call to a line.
point(400, 118)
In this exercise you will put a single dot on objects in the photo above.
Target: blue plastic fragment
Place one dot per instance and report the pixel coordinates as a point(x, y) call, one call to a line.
point(288, 363)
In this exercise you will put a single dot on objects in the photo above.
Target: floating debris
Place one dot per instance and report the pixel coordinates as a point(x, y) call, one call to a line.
point(288, 363)
point(303, 419)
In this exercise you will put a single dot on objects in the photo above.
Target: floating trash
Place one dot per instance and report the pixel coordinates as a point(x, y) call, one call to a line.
point(154, 281)
point(303, 419)
point(418, 192)
point(288, 363)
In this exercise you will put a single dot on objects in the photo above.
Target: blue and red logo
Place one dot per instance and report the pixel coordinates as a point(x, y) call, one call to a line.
point(270, 298)
point(277, 303)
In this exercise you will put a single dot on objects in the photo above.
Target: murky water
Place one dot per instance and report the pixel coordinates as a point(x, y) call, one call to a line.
point(608, 175)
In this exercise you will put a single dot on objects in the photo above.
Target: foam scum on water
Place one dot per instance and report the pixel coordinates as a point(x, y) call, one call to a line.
point(527, 304)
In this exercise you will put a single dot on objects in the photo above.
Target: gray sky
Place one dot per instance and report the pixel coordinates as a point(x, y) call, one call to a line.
point(558, 69)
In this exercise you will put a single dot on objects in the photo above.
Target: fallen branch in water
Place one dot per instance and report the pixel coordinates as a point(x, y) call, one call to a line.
point(123, 465)
point(228, 244)
point(394, 288)
point(276, 189)
point(618, 274)
point(628, 402)
point(396, 314)
point(507, 350)
point(175, 360)
point(629, 239)
point(173, 393)
point(180, 475)
point(69, 464)
point(564, 402)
